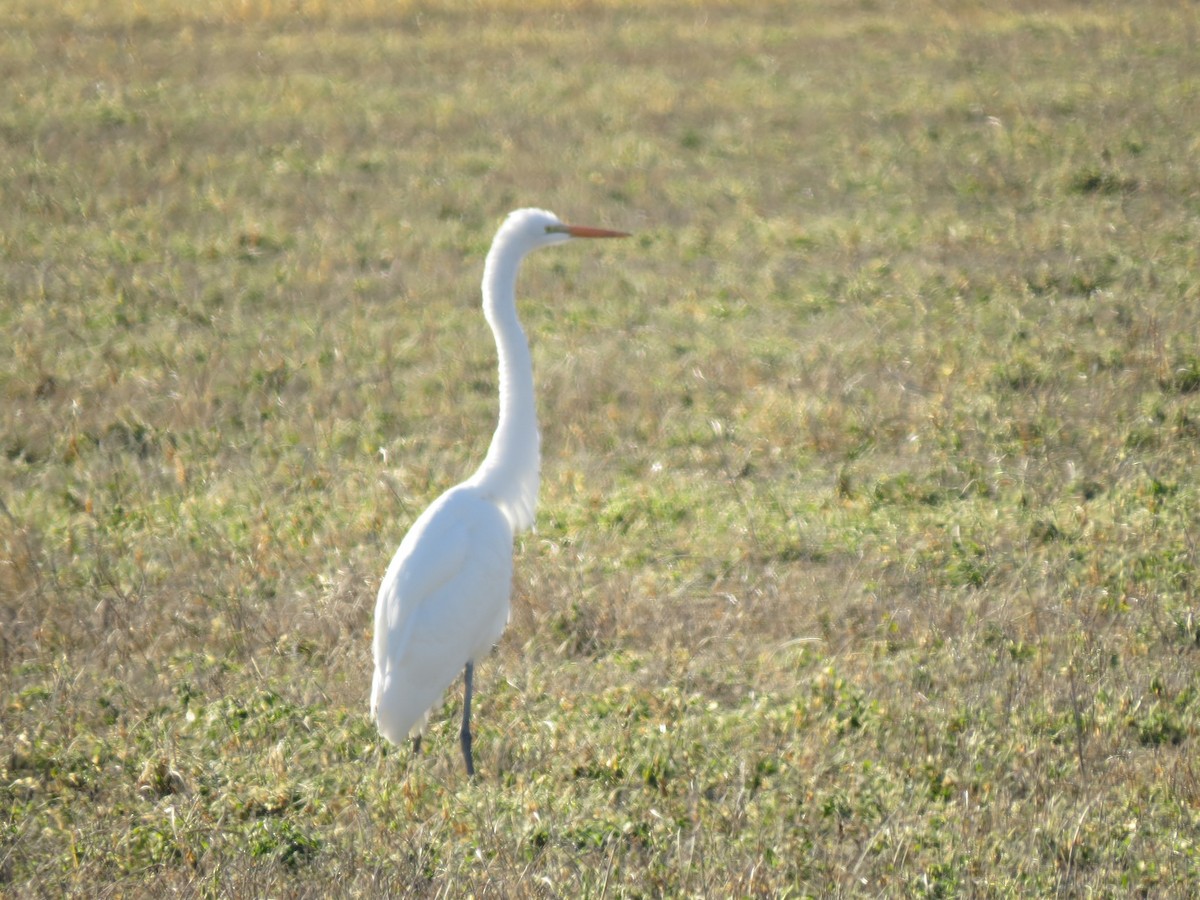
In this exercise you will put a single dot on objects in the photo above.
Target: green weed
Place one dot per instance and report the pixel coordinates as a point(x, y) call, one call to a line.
point(866, 556)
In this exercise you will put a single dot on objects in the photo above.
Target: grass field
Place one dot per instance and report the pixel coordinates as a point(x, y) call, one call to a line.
point(866, 562)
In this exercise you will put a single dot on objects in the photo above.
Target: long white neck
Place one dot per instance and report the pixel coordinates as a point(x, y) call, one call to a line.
point(509, 472)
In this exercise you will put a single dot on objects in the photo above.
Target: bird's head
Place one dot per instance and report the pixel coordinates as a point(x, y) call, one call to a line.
point(533, 228)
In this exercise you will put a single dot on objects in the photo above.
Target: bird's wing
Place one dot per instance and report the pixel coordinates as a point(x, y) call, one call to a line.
point(443, 601)
point(431, 554)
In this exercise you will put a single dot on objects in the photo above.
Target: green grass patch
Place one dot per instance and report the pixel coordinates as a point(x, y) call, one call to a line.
point(866, 558)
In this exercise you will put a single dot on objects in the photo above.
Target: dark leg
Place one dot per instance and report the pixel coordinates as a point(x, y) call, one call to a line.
point(417, 745)
point(465, 734)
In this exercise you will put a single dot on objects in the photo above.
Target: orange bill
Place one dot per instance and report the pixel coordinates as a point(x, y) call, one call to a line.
point(584, 231)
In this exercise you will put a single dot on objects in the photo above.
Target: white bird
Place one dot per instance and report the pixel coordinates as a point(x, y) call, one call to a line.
point(444, 600)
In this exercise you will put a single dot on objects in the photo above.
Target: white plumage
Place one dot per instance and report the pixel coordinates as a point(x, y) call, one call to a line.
point(444, 600)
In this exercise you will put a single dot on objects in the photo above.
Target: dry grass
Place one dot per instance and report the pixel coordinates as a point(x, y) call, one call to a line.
point(866, 561)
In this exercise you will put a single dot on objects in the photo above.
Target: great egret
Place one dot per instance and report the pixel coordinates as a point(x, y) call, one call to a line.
point(444, 600)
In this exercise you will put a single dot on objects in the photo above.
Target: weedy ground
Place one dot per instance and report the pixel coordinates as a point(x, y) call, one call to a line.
point(866, 561)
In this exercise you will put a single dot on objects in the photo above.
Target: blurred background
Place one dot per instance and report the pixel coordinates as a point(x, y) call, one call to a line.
point(865, 560)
